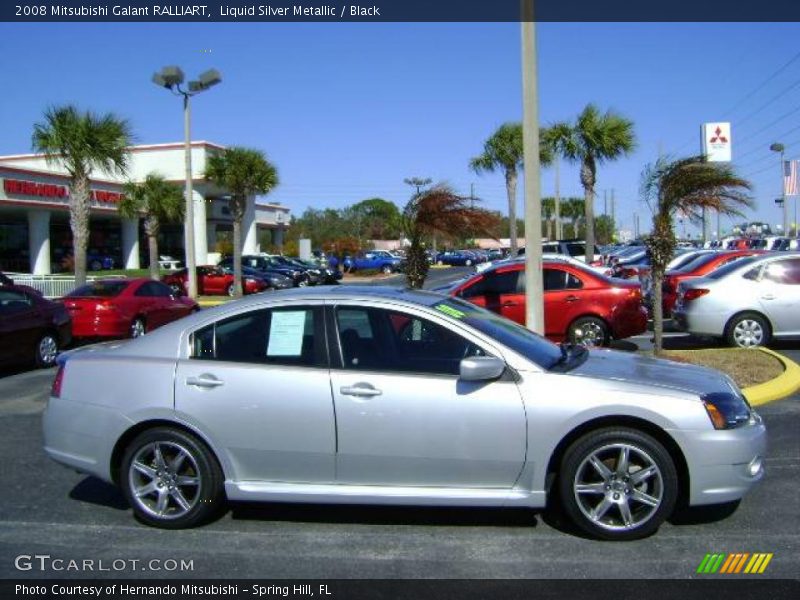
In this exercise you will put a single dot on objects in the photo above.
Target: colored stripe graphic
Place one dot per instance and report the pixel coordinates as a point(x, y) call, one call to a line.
point(734, 563)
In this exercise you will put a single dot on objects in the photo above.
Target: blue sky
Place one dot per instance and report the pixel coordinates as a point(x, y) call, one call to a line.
point(346, 111)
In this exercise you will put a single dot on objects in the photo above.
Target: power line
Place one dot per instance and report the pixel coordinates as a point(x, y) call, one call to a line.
point(765, 82)
point(782, 93)
point(760, 148)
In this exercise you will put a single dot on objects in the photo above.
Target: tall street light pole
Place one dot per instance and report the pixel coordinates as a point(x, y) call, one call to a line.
point(780, 148)
point(534, 290)
point(172, 79)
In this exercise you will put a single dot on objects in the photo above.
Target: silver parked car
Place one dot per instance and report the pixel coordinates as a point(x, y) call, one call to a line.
point(747, 302)
point(386, 396)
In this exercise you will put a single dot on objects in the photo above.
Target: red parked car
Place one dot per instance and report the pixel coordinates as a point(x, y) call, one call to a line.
point(702, 265)
point(580, 306)
point(213, 281)
point(118, 308)
point(32, 329)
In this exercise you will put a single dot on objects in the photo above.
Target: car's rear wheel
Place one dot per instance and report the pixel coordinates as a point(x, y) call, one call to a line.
point(589, 332)
point(231, 291)
point(96, 265)
point(138, 328)
point(468, 263)
point(618, 484)
point(46, 351)
point(177, 289)
point(386, 269)
point(748, 330)
point(171, 479)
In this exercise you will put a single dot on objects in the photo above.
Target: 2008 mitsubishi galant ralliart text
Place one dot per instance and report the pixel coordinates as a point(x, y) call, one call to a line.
point(386, 396)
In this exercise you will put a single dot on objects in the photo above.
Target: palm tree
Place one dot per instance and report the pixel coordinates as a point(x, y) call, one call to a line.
point(439, 210)
point(503, 150)
point(573, 209)
point(548, 215)
point(82, 142)
point(243, 172)
point(594, 139)
point(158, 201)
point(688, 186)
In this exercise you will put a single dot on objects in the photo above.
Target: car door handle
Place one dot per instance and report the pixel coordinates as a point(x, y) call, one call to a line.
point(359, 390)
point(510, 303)
point(204, 381)
point(768, 297)
point(571, 298)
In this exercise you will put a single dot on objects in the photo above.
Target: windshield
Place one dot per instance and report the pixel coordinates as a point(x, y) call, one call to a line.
point(722, 271)
point(106, 289)
point(531, 345)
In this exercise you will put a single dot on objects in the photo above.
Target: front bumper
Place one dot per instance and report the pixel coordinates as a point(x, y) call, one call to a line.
point(723, 464)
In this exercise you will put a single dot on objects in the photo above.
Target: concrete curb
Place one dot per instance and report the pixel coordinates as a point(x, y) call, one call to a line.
point(784, 385)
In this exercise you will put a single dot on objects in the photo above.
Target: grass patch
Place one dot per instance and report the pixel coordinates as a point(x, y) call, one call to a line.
point(746, 367)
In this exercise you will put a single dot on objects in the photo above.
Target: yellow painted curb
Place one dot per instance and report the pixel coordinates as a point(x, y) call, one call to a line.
point(208, 303)
point(783, 385)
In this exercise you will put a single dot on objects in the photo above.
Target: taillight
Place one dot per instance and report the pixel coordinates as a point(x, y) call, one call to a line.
point(55, 390)
point(105, 305)
point(694, 294)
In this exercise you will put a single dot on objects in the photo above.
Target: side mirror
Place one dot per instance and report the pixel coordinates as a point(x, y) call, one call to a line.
point(481, 368)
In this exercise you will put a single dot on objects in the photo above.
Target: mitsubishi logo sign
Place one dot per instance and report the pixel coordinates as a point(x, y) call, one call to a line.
point(717, 142)
point(718, 137)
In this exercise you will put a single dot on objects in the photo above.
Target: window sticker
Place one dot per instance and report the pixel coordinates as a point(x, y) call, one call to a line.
point(286, 333)
point(449, 310)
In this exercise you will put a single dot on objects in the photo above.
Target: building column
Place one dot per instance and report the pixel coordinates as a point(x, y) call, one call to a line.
point(277, 237)
point(130, 244)
point(249, 233)
point(211, 236)
point(39, 241)
point(200, 231)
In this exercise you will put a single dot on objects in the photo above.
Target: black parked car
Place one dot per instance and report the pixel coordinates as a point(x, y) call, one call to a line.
point(275, 281)
point(267, 264)
point(32, 328)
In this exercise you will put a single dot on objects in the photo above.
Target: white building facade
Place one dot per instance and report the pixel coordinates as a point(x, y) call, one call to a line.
point(34, 212)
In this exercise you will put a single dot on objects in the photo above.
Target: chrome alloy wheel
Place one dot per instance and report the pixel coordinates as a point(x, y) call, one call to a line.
point(618, 487)
point(48, 350)
point(748, 333)
point(589, 334)
point(137, 328)
point(164, 480)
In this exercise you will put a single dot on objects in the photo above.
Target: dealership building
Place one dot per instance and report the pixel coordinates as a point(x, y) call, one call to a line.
point(35, 235)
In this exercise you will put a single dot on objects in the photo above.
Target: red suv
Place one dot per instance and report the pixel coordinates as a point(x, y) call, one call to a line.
point(580, 306)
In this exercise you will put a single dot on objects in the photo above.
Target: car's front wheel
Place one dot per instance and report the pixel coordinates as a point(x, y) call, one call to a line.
point(618, 484)
point(46, 351)
point(386, 269)
point(171, 479)
point(748, 330)
point(138, 328)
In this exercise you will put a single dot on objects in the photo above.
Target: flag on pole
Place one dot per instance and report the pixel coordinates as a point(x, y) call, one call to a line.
point(790, 177)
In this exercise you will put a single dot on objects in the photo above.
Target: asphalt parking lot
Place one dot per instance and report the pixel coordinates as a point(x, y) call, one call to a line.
point(48, 510)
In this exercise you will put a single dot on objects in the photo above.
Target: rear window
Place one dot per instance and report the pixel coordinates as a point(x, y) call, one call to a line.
point(105, 289)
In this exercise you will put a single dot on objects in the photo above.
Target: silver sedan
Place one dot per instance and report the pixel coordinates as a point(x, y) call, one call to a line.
point(385, 396)
point(746, 302)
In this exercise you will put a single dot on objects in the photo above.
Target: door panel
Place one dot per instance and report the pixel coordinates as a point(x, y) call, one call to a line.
point(259, 383)
point(403, 416)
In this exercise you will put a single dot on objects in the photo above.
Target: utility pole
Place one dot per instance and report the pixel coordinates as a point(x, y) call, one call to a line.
point(472, 195)
point(559, 233)
point(534, 289)
point(605, 202)
point(613, 210)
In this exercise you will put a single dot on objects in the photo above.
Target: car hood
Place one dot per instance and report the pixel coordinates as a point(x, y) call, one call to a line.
point(610, 365)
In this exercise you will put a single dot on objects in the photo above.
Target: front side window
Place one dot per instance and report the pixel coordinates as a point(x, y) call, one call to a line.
point(374, 339)
point(281, 336)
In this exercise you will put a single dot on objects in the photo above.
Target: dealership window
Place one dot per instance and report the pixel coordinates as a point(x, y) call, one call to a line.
point(291, 336)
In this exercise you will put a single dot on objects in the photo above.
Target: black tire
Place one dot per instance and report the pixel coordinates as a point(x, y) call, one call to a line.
point(386, 269)
point(618, 488)
point(177, 289)
point(748, 330)
point(46, 350)
point(203, 501)
point(231, 290)
point(589, 331)
point(96, 265)
point(468, 263)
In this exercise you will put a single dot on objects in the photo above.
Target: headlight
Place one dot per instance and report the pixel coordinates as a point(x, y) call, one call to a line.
point(727, 410)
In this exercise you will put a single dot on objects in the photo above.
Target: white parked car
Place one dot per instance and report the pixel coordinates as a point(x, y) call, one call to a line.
point(747, 302)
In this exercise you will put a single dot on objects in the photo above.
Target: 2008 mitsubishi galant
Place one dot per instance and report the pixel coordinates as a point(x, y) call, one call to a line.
point(378, 395)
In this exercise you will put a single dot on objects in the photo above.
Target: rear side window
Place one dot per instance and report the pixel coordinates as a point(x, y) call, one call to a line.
point(13, 301)
point(786, 272)
point(106, 289)
point(287, 336)
point(554, 280)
